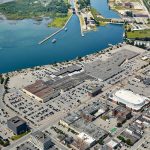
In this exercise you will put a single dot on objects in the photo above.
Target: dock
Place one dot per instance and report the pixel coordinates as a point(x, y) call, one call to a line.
point(50, 36)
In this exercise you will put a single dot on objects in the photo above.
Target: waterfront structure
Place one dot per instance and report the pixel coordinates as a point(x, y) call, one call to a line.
point(41, 140)
point(17, 125)
point(129, 99)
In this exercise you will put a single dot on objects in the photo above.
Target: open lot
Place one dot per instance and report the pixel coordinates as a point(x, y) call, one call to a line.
point(138, 34)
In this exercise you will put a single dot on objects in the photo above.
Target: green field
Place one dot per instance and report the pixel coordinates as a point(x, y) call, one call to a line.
point(83, 3)
point(16, 137)
point(59, 22)
point(21, 9)
point(138, 34)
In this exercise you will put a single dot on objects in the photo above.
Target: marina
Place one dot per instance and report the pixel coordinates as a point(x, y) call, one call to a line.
point(20, 49)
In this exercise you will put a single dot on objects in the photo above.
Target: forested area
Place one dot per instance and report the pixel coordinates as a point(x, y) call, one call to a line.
point(21, 9)
point(83, 3)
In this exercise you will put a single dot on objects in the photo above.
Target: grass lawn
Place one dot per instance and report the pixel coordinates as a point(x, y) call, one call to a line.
point(138, 34)
point(16, 137)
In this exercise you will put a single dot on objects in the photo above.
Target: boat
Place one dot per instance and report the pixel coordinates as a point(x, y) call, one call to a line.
point(66, 29)
point(110, 45)
point(54, 40)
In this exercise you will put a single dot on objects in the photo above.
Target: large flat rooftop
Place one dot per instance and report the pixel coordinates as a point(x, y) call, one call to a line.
point(105, 69)
point(40, 89)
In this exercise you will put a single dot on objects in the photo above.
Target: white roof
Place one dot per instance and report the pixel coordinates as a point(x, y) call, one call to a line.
point(112, 144)
point(130, 97)
point(88, 139)
point(100, 111)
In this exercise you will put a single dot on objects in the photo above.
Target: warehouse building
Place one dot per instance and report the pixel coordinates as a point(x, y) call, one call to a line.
point(41, 91)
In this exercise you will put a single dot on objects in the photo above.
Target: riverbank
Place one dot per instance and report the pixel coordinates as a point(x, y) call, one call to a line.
point(99, 19)
point(22, 49)
point(77, 60)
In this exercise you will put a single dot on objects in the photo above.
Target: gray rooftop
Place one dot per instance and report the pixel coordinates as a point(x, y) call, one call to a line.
point(89, 128)
point(71, 118)
point(66, 70)
point(106, 69)
point(40, 136)
point(17, 121)
point(93, 108)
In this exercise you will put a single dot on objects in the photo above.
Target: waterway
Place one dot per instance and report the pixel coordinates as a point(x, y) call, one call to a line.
point(19, 46)
point(102, 7)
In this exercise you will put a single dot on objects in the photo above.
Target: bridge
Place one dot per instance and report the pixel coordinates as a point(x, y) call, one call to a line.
point(116, 20)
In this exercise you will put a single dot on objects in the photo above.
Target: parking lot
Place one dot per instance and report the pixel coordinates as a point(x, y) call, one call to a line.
point(35, 112)
point(5, 133)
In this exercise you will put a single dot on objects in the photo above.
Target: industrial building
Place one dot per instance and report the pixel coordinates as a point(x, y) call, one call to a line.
point(102, 69)
point(129, 99)
point(41, 140)
point(45, 91)
point(17, 125)
point(41, 91)
point(68, 70)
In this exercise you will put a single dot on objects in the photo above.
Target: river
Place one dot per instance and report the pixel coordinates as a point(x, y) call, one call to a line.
point(19, 41)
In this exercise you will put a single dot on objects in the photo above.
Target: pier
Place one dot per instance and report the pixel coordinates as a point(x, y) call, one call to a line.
point(117, 21)
point(77, 13)
point(50, 36)
point(74, 11)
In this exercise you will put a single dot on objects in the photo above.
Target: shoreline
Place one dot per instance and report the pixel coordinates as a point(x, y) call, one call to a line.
point(76, 60)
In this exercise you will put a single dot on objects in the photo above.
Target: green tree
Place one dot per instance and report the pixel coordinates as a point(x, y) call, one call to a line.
point(128, 141)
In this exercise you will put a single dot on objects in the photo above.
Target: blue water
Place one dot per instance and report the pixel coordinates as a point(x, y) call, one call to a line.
point(102, 7)
point(19, 43)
